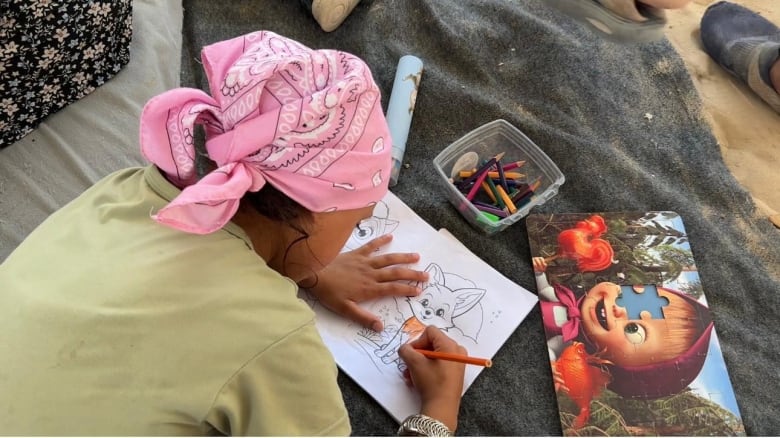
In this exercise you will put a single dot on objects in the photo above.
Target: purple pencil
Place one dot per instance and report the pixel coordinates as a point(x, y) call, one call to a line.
point(481, 206)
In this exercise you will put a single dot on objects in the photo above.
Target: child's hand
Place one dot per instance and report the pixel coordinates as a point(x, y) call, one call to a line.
point(560, 385)
point(540, 264)
point(359, 275)
point(439, 382)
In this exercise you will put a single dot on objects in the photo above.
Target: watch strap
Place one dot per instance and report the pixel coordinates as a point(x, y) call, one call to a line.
point(422, 425)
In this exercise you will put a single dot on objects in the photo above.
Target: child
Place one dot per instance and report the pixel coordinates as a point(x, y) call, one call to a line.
point(650, 358)
point(163, 302)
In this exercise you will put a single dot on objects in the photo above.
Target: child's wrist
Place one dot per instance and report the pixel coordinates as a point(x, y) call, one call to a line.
point(444, 410)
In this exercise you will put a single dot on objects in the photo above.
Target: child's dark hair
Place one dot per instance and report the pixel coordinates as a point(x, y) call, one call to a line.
point(277, 206)
point(268, 201)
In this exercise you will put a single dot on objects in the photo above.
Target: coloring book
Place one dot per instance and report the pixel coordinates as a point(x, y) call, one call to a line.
point(632, 345)
point(464, 296)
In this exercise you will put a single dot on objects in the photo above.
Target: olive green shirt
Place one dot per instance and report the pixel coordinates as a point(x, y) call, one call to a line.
point(113, 324)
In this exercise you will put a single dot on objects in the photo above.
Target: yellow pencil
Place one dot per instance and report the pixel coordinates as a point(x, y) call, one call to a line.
point(508, 201)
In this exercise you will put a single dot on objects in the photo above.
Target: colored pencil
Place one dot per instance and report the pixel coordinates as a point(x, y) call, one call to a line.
point(498, 199)
point(509, 204)
point(492, 209)
point(493, 174)
point(487, 363)
point(482, 169)
point(513, 165)
point(490, 216)
point(510, 182)
point(491, 194)
point(525, 200)
point(477, 185)
point(501, 175)
point(527, 191)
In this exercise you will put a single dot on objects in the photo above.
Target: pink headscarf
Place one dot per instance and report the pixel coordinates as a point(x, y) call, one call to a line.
point(309, 122)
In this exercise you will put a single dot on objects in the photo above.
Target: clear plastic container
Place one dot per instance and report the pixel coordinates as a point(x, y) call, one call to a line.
point(487, 141)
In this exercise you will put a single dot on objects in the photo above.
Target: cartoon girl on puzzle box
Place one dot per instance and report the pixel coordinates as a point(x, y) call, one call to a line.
point(645, 358)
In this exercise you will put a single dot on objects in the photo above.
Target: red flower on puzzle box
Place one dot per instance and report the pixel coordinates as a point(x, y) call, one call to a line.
point(583, 244)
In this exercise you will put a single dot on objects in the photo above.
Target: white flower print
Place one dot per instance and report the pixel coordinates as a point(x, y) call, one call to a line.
point(8, 106)
point(60, 34)
point(80, 78)
point(49, 90)
point(57, 53)
point(94, 9)
point(10, 47)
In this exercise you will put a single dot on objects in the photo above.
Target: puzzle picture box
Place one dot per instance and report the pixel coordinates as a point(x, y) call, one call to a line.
point(631, 338)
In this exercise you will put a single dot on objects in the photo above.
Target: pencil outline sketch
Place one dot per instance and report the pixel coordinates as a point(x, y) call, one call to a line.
point(444, 298)
point(377, 225)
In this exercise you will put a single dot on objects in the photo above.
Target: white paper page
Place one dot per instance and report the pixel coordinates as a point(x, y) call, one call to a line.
point(466, 297)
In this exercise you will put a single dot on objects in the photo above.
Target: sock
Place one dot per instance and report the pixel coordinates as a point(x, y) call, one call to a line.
point(765, 62)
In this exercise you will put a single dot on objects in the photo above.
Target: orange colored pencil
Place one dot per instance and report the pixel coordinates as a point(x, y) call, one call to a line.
point(492, 174)
point(487, 363)
point(489, 192)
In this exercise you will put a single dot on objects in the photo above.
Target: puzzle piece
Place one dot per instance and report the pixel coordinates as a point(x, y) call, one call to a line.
point(642, 300)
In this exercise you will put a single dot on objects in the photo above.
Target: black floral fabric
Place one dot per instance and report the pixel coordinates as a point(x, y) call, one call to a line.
point(53, 53)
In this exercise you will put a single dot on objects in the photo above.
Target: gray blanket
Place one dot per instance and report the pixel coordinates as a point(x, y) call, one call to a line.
point(623, 123)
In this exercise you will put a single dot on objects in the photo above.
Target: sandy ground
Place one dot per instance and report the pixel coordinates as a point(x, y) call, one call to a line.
point(746, 128)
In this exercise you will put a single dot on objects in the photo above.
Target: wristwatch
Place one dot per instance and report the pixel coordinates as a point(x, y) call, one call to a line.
point(422, 425)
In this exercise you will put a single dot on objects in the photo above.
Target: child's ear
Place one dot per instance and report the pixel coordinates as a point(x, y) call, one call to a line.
point(466, 299)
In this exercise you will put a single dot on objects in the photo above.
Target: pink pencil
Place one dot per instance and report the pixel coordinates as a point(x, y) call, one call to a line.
point(477, 185)
point(513, 165)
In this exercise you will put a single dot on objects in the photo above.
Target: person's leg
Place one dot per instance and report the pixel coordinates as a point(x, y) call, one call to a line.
point(774, 75)
point(633, 10)
point(625, 21)
point(666, 4)
point(745, 44)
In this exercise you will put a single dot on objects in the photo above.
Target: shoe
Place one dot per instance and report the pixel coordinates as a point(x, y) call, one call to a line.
point(330, 13)
point(745, 44)
point(624, 21)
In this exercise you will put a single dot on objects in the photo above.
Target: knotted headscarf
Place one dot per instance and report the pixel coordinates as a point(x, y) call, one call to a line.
point(309, 122)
